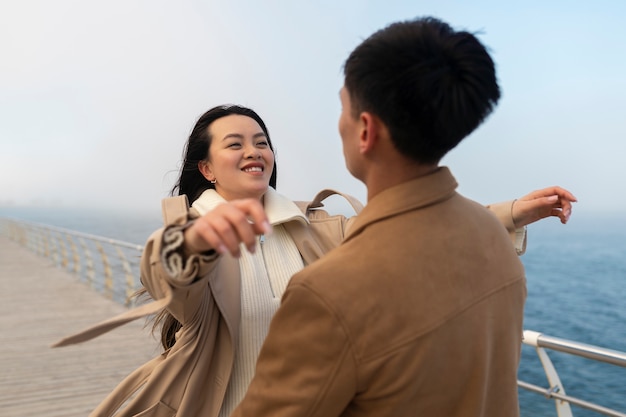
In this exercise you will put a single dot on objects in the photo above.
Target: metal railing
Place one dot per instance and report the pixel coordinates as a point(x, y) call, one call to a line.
point(556, 390)
point(109, 266)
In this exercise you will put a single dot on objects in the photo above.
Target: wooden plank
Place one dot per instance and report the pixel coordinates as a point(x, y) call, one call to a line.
point(40, 304)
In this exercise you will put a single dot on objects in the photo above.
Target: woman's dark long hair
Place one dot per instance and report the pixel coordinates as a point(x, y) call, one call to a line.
point(192, 183)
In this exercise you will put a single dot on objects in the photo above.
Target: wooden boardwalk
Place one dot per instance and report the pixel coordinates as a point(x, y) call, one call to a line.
point(39, 304)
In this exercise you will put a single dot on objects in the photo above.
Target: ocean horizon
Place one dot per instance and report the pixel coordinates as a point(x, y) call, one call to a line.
point(576, 281)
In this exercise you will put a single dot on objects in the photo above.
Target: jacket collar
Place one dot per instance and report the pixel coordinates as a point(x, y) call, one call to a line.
point(410, 195)
point(279, 209)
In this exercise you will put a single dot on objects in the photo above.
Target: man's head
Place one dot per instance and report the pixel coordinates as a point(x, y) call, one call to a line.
point(430, 85)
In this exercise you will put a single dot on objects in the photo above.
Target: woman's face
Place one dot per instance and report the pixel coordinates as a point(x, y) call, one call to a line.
point(240, 159)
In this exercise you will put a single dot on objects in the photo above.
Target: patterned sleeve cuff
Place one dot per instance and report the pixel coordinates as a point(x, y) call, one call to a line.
point(176, 264)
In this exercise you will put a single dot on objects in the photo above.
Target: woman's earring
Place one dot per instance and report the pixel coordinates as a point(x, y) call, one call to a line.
point(213, 181)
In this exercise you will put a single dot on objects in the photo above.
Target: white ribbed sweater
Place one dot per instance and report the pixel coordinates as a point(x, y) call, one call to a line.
point(264, 277)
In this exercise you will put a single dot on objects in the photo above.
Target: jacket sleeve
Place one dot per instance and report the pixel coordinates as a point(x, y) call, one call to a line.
point(503, 212)
point(306, 366)
point(165, 269)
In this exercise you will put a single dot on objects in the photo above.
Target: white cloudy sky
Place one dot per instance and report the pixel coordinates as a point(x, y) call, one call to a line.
point(97, 98)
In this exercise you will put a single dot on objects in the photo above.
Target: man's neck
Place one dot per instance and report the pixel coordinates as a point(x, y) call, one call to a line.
point(384, 177)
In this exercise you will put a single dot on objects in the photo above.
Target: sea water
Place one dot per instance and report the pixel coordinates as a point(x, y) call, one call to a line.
point(576, 280)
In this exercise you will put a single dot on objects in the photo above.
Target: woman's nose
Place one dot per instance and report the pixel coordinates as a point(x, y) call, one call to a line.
point(252, 153)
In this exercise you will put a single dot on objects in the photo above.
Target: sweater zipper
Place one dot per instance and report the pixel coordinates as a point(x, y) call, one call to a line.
point(267, 272)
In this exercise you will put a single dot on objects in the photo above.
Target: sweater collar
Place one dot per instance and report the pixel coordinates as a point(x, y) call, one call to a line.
point(414, 194)
point(279, 209)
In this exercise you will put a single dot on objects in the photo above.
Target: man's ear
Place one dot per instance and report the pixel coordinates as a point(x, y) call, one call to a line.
point(370, 132)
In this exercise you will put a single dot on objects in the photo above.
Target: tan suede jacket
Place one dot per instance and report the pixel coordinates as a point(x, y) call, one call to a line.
point(417, 313)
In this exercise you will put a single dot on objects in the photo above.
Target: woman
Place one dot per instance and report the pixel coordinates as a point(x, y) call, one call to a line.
point(219, 299)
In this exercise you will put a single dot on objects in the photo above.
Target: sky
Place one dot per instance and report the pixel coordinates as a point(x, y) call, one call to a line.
point(97, 99)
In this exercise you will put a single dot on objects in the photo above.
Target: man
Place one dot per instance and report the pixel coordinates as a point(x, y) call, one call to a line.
point(419, 312)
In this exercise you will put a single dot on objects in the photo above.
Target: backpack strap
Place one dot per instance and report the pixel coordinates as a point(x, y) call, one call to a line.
point(325, 193)
point(325, 231)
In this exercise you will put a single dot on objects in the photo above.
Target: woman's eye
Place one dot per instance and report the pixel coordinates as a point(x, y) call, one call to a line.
point(263, 143)
point(234, 145)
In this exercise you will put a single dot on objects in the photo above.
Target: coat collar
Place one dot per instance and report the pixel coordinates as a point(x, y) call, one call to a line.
point(279, 208)
point(410, 195)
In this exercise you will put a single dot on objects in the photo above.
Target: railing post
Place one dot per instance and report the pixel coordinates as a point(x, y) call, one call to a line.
point(90, 272)
point(563, 408)
point(75, 254)
point(46, 244)
point(38, 242)
point(54, 244)
point(108, 274)
point(130, 280)
point(63, 250)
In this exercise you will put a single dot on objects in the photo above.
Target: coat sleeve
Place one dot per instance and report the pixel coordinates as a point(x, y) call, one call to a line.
point(164, 268)
point(517, 234)
point(306, 366)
